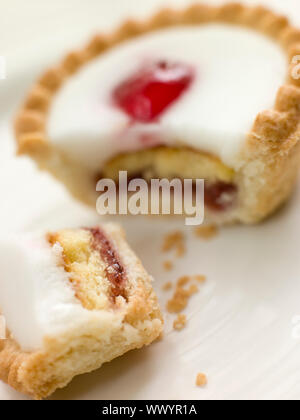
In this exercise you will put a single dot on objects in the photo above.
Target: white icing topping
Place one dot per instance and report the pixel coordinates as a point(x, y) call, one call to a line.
point(238, 73)
point(36, 297)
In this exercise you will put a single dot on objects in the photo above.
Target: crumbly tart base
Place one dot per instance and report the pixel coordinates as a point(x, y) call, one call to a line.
point(133, 324)
point(270, 157)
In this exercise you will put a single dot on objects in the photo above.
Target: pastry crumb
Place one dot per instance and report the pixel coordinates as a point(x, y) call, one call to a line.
point(167, 286)
point(206, 231)
point(181, 295)
point(180, 250)
point(193, 289)
point(200, 278)
point(201, 380)
point(168, 265)
point(179, 300)
point(174, 241)
point(180, 322)
point(183, 281)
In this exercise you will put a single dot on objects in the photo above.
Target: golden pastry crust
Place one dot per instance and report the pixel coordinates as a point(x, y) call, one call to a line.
point(131, 325)
point(269, 159)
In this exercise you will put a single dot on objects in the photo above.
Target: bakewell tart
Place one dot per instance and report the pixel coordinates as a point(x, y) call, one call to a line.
point(72, 300)
point(205, 92)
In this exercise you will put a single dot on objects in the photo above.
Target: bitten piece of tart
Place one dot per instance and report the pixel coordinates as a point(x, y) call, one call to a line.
point(72, 300)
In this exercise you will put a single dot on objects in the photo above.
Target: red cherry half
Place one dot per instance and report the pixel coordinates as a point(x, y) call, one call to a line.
point(145, 95)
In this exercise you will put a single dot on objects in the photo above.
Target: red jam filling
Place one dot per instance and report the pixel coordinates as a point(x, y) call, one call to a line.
point(115, 271)
point(219, 196)
point(145, 95)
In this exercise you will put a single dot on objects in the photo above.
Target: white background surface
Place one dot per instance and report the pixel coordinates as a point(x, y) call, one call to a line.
point(240, 324)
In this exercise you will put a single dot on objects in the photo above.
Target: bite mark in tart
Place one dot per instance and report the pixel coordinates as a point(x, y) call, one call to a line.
point(196, 93)
point(72, 300)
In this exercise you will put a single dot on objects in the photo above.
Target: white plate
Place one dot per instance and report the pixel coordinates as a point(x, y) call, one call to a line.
point(240, 328)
